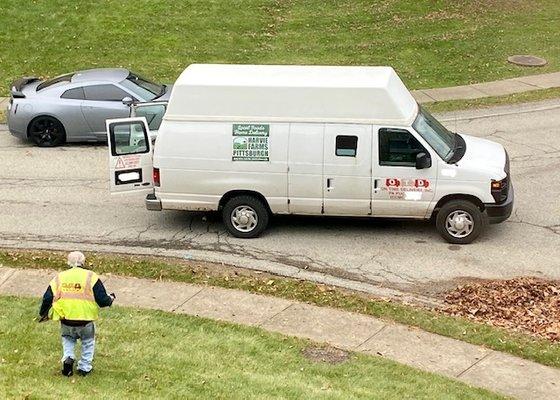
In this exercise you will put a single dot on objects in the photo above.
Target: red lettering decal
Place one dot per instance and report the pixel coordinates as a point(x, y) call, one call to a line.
point(392, 182)
point(422, 183)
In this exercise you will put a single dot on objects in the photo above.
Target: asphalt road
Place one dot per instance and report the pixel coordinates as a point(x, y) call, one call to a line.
point(59, 198)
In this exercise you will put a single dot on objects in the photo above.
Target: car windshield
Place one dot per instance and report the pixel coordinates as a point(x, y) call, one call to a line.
point(145, 89)
point(54, 81)
point(432, 131)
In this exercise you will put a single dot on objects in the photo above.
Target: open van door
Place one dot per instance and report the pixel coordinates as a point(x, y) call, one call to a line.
point(153, 112)
point(130, 155)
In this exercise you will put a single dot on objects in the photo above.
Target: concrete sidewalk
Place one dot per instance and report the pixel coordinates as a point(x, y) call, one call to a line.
point(471, 364)
point(489, 89)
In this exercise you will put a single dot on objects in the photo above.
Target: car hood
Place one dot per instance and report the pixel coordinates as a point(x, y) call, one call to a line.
point(484, 155)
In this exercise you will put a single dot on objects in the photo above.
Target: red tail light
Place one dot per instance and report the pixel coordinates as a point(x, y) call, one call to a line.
point(155, 176)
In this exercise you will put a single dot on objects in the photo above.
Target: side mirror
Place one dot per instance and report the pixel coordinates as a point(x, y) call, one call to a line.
point(423, 161)
point(127, 101)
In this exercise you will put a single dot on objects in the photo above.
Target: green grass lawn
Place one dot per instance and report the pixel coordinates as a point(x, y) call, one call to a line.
point(149, 354)
point(431, 43)
point(521, 345)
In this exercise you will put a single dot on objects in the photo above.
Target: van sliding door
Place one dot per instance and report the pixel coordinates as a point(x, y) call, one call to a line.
point(347, 169)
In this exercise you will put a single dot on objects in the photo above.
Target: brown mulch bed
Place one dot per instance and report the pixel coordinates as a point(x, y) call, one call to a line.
point(528, 305)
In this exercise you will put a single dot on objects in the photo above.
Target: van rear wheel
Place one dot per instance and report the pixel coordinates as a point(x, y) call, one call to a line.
point(460, 222)
point(245, 217)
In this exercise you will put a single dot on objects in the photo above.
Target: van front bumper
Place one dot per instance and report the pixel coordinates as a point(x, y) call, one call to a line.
point(500, 212)
point(153, 203)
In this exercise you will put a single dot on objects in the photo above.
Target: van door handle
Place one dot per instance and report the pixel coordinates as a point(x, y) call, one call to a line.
point(330, 184)
point(375, 185)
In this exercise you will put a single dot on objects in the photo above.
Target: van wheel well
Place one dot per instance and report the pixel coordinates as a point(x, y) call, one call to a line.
point(445, 199)
point(234, 193)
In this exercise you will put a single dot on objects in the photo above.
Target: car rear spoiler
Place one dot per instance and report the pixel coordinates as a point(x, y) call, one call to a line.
point(18, 85)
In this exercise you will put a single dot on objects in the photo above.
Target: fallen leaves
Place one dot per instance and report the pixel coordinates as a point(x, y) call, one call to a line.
point(528, 305)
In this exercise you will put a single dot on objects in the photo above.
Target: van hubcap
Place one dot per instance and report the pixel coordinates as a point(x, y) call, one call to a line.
point(244, 218)
point(459, 224)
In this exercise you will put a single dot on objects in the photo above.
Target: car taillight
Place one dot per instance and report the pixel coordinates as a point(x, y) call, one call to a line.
point(155, 176)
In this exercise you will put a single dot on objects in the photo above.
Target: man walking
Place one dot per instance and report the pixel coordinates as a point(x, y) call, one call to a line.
point(73, 298)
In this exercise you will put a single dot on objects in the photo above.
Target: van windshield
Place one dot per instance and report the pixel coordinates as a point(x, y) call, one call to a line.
point(432, 131)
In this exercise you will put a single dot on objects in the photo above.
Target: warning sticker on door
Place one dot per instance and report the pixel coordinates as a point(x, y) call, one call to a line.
point(406, 189)
point(128, 161)
point(250, 142)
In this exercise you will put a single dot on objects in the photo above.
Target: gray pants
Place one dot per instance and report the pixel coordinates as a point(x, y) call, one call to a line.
point(70, 336)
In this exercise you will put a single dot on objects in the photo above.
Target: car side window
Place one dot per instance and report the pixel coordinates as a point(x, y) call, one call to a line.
point(346, 146)
point(397, 147)
point(75, 94)
point(105, 93)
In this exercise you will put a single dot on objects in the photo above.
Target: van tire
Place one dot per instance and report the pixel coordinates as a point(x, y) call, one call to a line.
point(464, 211)
point(252, 216)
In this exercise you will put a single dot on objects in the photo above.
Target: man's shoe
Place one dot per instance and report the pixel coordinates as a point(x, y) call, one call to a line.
point(68, 366)
point(81, 372)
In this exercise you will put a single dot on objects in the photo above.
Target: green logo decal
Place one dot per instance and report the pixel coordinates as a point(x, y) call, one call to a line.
point(250, 142)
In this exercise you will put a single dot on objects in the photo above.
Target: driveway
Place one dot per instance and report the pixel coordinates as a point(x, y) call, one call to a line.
point(58, 198)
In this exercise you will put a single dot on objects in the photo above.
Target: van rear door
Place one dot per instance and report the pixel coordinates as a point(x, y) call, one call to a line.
point(152, 111)
point(130, 155)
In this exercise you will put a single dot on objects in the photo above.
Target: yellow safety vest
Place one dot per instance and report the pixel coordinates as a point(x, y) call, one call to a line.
point(73, 295)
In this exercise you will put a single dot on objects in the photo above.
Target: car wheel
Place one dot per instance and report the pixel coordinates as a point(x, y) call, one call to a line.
point(460, 222)
point(46, 131)
point(245, 217)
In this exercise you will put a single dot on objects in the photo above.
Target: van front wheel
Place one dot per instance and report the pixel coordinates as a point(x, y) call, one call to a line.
point(460, 222)
point(245, 217)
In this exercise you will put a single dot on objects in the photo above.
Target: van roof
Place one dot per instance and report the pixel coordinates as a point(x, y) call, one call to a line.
point(291, 93)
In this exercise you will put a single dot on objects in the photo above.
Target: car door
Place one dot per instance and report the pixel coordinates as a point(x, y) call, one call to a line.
point(73, 117)
point(102, 102)
point(399, 188)
point(347, 169)
point(130, 155)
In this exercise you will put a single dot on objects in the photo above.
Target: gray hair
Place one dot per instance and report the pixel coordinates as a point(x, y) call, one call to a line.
point(76, 259)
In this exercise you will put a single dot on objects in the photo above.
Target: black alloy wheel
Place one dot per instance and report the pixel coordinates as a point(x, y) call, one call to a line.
point(47, 131)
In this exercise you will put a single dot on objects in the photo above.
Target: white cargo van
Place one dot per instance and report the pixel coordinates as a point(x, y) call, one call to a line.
point(254, 140)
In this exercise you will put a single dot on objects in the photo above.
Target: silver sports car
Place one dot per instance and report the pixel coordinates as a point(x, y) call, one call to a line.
point(74, 107)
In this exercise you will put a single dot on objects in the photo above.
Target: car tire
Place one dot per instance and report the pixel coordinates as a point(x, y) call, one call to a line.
point(245, 216)
point(46, 131)
point(460, 221)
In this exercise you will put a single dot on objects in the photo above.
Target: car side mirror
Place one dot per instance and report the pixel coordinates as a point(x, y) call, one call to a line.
point(127, 101)
point(423, 161)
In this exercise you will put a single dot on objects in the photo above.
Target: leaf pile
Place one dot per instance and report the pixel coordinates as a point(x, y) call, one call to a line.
point(528, 305)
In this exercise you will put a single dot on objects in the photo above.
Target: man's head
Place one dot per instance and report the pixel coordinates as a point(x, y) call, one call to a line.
point(76, 259)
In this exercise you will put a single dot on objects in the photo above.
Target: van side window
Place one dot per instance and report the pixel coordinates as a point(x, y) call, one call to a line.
point(346, 146)
point(397, 147)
